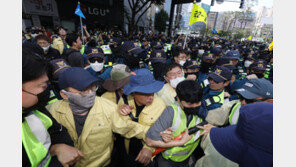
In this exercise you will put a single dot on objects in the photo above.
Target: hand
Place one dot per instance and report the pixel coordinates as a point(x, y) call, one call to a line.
point(226, 94)
point(144, 156)
point(84, 27)
point(67, 155)
point(252, 76)
point(167, 135)
point(125, 109)
point(233, 78)
point(185, 138)
point(191, 77)
point(207, 128)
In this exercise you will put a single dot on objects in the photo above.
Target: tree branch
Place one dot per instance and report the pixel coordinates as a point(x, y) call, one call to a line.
point(143, 13)
point(147, 1)
point(129, 4)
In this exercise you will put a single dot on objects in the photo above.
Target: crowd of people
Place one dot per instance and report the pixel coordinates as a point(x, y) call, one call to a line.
point(107, 98)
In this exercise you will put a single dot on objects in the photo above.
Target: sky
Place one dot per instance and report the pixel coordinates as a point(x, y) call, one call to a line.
point(232, 6)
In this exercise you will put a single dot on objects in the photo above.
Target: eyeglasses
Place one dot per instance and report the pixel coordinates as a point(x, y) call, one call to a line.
point(94, 59)
point(175, 75)
point(90, 89)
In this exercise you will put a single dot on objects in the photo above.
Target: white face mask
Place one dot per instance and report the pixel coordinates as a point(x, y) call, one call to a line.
point(45, 48)
point(182, 62)
point(34, 35)
point(97, 66)
point(247, 63)
point(176, 81)
point(201, 52)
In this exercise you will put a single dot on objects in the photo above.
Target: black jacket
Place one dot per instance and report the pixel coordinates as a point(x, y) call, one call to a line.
point(52, 54)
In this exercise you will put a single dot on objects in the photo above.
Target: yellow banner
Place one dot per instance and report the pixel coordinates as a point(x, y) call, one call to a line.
point(270, 48)
point(250, 37)
point(198, 14)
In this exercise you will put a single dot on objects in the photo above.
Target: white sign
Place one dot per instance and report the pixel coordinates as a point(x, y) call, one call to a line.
point(97, 11)
point(40, 7)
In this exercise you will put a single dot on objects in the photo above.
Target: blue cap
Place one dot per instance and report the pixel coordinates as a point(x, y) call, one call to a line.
point(233, 54)
point(58, 66)
point(77, 78)
point(208, 56)
point(191, 64)
point(250, 142)
point(259, 65)
point(158, 56)
point(256, 88)
point(157, 44)
point(142, 81)
point(225, 62)
point(216, 51)
point(94, 52)
point(114, 40)
point(132, 47)
point(220, 74)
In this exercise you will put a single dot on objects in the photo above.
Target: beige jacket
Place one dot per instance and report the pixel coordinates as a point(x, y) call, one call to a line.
point(96, 139)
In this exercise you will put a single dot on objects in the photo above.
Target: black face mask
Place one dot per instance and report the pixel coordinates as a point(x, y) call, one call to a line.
point(259, 75)
point(204, 67)
point(43, 99)
point(191, 111)
point(191, 73)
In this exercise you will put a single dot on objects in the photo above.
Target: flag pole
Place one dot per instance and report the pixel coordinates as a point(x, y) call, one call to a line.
point(185, 39)
point(81, 30)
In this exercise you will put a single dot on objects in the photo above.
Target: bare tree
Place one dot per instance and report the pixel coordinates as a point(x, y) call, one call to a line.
point(136, 9)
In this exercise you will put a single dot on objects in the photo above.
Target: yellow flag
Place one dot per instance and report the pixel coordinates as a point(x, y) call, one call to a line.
point(198, 14)
point(270, 48)
point(250, 37)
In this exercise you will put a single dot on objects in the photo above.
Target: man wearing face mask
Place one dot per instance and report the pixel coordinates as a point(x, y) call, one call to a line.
point(158, 62)
point(96, 67)
point(115, 45)
point(249, 60)
point(45, 142)
point(49, 52)
point(214, 93)
point(178, 117)
point(258, 68)
point(191, 68)
point(180, 56)
point(173, 76)
point(90, 120)
point(207, 62)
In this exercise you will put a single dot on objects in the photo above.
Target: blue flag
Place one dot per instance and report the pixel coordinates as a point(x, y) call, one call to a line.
point(214, 31)
point(79, 12)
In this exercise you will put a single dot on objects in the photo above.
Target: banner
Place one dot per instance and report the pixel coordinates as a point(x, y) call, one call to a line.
point(270, 48)
point(198, 14)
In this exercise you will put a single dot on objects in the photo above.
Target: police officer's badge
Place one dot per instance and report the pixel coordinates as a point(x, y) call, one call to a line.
point(260, 65)
point(158, 55)
point(61, 64)
point(94, 51)
point(218, 71)
point(136, 44)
